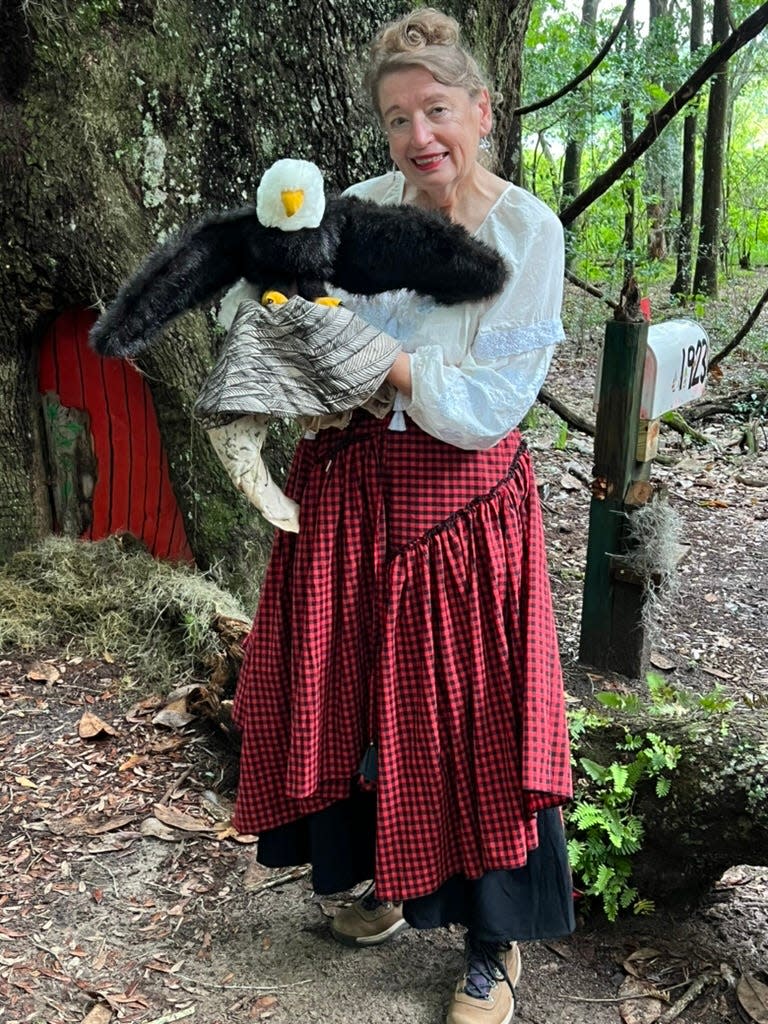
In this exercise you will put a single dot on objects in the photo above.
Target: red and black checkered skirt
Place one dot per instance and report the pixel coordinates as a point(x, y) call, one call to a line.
point(412, 611)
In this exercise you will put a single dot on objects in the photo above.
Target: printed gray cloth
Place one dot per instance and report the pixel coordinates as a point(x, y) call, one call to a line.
point(295, 359)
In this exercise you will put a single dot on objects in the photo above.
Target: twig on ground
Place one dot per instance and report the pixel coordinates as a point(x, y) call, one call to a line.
point(660, 994)
point(293, 875)
point(175, 784)
point(241, 988)
point(702, 982)
point(169, 1018)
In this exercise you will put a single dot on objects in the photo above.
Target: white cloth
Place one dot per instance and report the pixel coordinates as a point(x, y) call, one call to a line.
point(477, 367)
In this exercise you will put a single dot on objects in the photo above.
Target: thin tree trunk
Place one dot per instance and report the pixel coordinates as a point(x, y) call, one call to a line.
point(681, 286)
point(573, 146)
point(744, 33)
point(627, 133)
point(705, 278)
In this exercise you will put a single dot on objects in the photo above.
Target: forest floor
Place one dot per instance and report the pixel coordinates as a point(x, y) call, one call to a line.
point(124, 895)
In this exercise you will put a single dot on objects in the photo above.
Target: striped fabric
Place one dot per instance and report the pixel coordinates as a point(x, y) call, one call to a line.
point(412, 610)
point(295, 359)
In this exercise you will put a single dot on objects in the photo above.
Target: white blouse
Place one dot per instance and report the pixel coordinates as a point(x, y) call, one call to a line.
point(477, 367)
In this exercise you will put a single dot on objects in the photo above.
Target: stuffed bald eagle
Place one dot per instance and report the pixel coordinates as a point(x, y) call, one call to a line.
point(290, 358)
point(296, 242)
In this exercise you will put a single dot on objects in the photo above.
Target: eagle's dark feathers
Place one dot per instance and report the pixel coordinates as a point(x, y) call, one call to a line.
point(359, 246)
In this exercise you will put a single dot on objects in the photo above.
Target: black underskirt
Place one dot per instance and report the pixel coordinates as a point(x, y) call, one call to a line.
point(531, 902)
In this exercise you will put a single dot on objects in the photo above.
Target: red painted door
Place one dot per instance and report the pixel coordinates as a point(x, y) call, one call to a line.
point(109, 470)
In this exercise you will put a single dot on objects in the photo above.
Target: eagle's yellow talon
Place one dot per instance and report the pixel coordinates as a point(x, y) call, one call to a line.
point(273, 298)
point(327, 300)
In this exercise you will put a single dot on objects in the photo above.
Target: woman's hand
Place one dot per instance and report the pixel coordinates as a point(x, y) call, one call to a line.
point(400, 373)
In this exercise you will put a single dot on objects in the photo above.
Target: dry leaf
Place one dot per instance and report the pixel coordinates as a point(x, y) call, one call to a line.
point(178, 819)
point(753, 996)
point(174, 715)
point(570, 483)
point(167, 744)
point(24, 782)
point(263, 1007)
point(157, 830)
point(254, 875)
point(132, 761)
point(640, 1011)
point(717, 672)
point(636, 962)
point(87, 824)
point(739, 874)
point(661, 662)
point(100, 1014)
point(139, 711)
point(92, 727)
point(43, 672)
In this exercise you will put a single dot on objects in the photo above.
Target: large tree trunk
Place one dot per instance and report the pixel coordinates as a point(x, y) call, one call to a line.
point(705, 278)
point(496, 35)
point(118, 124)
point(682, 284)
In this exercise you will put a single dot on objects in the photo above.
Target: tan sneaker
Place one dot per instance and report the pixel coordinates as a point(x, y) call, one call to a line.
point(368, 922)
point(485, 993)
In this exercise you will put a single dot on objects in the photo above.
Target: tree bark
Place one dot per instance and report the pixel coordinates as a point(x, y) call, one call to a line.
point(496, 34)
point(705, 278)
point(681, 286)
point(661, 158)
point(119, 123)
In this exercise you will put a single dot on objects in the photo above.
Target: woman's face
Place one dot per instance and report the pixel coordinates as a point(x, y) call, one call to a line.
point(433, 129)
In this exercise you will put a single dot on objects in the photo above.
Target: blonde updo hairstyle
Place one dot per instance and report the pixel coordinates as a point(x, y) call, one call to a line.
point(428, 39)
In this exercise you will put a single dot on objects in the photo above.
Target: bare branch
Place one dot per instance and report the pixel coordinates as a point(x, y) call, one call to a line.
point(747, 31)
point(742, 332)
point(572, 418)
point(587, 71)
point(590, 289)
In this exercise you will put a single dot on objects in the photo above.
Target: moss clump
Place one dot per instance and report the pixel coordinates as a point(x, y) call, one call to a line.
point(111, 597)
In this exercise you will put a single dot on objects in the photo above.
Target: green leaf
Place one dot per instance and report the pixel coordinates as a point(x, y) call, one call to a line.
point(663, 786)
point(619, 774)
point(594, 770)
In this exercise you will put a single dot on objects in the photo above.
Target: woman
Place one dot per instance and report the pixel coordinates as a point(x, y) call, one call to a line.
point(405, 635)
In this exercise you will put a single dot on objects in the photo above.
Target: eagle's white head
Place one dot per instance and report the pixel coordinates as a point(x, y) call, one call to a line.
point(291, 196)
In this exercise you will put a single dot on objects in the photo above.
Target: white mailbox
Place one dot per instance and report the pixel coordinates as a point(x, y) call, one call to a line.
point(675, 366)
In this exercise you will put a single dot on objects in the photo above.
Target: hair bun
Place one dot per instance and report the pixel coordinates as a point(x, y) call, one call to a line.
point(423, 27)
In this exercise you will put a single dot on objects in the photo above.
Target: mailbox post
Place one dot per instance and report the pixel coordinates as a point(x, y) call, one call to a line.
point(645, 371)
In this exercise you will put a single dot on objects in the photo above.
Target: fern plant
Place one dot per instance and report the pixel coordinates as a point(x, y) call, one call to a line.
point(604, 828)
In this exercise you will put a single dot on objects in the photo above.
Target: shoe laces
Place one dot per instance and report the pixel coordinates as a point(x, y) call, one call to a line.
point(368, 900)
point(485, 968)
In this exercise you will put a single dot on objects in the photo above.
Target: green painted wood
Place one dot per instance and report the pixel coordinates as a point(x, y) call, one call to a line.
point(612, 636)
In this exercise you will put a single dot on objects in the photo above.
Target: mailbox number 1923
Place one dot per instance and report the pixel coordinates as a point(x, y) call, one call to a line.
point(693, 365)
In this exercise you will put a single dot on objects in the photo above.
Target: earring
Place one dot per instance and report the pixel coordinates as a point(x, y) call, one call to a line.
point(485, 144)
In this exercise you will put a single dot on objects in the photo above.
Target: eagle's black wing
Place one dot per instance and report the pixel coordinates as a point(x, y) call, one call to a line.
point(185, 272)
point(387, 247)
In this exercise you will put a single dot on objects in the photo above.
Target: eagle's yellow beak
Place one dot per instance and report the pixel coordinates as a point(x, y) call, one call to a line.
point(293, 200)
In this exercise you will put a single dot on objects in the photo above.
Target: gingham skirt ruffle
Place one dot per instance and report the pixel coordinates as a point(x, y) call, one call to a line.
point(412, 610)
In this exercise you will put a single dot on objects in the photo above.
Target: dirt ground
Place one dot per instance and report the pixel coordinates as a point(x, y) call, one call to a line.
point(125, 896)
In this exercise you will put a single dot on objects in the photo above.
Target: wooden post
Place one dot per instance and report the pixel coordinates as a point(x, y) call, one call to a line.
point(612, 634)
